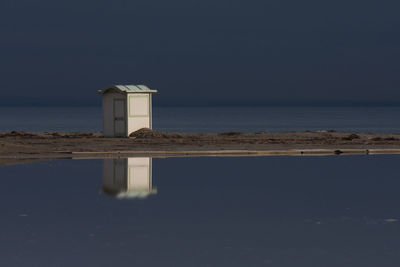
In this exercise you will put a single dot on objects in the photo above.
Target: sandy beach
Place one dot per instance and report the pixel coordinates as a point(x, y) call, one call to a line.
point(18, 145)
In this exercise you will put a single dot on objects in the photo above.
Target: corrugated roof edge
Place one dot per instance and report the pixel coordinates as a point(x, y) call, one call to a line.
point(128, 88)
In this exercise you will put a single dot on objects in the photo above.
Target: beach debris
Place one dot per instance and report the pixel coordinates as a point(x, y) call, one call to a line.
point(351, 137)
point(231, 133)
point(389, 138)
point(46, 135)
point(20, 133)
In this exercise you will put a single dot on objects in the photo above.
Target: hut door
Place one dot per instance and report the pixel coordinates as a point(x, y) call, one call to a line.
point(119, 117)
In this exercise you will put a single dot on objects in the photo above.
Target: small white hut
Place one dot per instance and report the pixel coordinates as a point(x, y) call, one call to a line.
point(126, 108)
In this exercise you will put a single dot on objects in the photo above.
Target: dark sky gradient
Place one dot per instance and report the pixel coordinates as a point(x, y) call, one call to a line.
point(208, 52)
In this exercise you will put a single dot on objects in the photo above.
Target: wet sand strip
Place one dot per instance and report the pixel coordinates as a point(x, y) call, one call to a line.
point(30, 158)
point(235, 153)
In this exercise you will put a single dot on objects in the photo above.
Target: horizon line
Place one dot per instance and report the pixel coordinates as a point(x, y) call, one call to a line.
point(215, 105)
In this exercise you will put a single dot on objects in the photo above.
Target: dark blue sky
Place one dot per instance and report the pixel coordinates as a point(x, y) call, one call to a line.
point(225, 52)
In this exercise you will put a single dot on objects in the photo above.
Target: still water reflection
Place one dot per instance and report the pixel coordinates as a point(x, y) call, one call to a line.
point(128, 178)
point(262, 211)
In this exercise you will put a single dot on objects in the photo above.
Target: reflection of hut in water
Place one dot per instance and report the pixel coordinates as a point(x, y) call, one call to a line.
point(128, 178)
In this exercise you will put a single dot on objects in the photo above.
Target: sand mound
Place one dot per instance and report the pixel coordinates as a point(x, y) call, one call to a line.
point(146, 133)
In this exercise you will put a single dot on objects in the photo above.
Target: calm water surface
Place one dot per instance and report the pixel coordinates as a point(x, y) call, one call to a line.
point(263, 211)
point(217, 119)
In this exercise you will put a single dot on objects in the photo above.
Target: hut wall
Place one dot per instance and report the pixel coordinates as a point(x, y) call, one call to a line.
point(139, 112)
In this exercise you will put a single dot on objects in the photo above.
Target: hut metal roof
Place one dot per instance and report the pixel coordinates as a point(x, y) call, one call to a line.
point(128, 88)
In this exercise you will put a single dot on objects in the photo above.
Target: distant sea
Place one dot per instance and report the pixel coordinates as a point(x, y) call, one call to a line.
point(212, 119)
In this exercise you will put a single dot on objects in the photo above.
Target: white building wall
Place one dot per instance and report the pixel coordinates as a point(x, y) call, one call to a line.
point(139, 112)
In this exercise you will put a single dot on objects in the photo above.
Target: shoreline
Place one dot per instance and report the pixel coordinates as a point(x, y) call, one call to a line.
point(19, 146)
point(14, 159)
